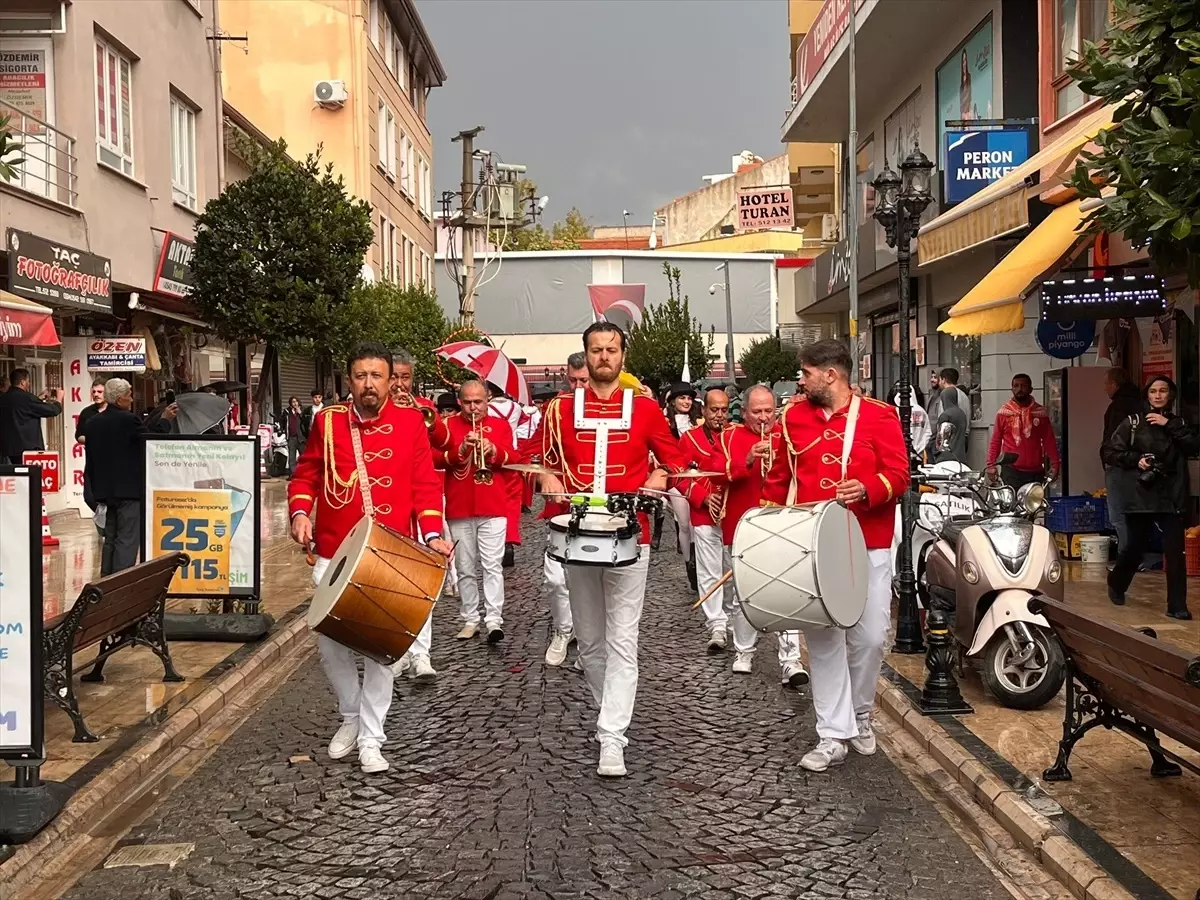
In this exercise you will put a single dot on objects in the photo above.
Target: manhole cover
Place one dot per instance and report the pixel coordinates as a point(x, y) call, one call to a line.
point(149, 855)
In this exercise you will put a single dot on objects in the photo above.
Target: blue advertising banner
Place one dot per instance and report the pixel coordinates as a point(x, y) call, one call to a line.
point(974, 159)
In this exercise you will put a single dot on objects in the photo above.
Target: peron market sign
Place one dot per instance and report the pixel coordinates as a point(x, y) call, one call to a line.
point(764, 207)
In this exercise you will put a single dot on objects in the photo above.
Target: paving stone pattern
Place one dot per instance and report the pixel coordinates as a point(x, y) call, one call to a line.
point(493, 794)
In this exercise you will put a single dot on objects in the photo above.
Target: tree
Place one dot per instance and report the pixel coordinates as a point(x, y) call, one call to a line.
point(655, 353)
point(1149, 67)
point(769, 360)
point(10, 151)
point(277, 253)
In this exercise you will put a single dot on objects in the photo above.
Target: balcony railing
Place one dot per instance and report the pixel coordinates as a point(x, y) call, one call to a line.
point(50, 167)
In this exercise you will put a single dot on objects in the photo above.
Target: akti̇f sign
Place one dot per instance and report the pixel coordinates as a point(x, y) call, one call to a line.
point(764, 207)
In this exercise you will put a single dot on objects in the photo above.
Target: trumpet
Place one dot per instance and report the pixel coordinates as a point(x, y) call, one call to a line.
point(405, 400)
point(765, 464)
point(483, 473)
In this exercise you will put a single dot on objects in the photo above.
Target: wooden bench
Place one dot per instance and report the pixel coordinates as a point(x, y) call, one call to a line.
point(120, 610)
point(1124, 679)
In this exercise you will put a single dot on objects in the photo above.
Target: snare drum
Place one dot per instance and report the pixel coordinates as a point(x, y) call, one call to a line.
point(598, 539)
point(800, 567)
point(378, 591)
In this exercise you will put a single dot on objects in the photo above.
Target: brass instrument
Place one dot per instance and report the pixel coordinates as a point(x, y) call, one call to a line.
point(483, 473)
point(765, 464)
point(406, 401)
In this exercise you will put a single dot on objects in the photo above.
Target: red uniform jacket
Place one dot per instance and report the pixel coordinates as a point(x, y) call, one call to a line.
point(439, 436)
point(702, 449)
point(464, 498)
point(404, 486)
point(813, 459)
point(743, 483)
point(572, 453)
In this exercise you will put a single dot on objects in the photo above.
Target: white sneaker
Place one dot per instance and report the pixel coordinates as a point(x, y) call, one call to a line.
point(421, 669)
point(556, 653)
point(743, 663)
point(718, 640)
point(469, 630)
point(612, 761)
point(450, 589)
point(828, 752)
point(344, 740)
point(793, 675)
point(864, 743)
point(400, 666)
point(371, 760)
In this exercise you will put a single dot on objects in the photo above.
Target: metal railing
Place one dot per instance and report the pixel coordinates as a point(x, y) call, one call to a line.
point(50, 167)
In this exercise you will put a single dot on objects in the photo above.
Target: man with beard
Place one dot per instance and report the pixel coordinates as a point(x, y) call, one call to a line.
point(613, 425)
point(845, 663)
point(368, 458)
point(1023, 427)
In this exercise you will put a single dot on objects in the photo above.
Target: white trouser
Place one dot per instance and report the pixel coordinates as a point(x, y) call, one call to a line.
point(845, 663)
point(555, 578)
point(681, 510)
point(607, 606)
point(479, 543)
point(745, 636)
point(365, 702)
point(712, 561)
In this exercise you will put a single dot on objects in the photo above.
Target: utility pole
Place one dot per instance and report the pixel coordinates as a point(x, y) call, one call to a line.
point(465, 221)
point(730, 360)
point(852, 211)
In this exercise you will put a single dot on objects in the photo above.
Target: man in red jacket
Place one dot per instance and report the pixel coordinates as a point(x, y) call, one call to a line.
point(845, 663)
point(1023, 427)
point(477, 506)
point(374, 436)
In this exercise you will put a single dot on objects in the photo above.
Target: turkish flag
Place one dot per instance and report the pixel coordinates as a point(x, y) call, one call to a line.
point(621, 304)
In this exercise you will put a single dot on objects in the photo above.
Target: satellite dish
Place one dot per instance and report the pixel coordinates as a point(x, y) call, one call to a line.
point(367, 274)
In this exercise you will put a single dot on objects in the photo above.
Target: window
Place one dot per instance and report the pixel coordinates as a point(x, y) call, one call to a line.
point(386, 138)
point(404, 276)
point(387, 249)
point(406, 164)
point(426, 190)
point(1076, 21)
point(410, 169)
point(373, 22)
point(114, 109)
point(426, 268)
point(418, 88)
point(183, 154)
point(399, 61)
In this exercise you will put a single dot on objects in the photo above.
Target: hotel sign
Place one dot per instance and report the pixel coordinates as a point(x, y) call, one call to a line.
point(765, 207)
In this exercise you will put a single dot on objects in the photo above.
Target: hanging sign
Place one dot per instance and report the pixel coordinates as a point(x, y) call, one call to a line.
point(117, 354)
point(765, 207)
point(1066, 340)
point(174, 274)
point(21, 701)
point(55, 273)
point(975, 159)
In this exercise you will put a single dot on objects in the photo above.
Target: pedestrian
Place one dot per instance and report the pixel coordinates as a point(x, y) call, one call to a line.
point(310, 411)
point(845, 663)
point(1124, 402)
point(1156, 447)
point(920, 430)
point(1023, 427)
point(951, 426)
point(21, 415)
point(399, 488)
point(97, 406)
point(293, 429)
point(114, 469)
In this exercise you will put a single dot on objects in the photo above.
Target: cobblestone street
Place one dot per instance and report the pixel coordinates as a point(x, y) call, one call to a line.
point(493, 793)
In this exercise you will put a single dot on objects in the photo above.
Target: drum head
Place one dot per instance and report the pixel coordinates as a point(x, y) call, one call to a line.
point(598, 523)
point(840, 554)
point(341, 567)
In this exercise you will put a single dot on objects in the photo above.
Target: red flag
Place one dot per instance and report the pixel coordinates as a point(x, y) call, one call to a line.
point(621, 304)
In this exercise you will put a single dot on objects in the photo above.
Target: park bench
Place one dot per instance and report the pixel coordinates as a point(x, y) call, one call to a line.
point(1124, 679)
point(120, 610)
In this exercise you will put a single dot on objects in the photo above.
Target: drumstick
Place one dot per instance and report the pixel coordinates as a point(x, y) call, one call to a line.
point(310, 554)
point(720, 581)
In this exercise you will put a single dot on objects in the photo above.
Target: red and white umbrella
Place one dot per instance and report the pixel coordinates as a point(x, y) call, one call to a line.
point(490, 365)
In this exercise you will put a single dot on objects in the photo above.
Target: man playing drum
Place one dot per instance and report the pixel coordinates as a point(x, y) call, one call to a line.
point(599, 440)
point(368, 458)
point(748, 450)
point(477, 506)
point(845, 663)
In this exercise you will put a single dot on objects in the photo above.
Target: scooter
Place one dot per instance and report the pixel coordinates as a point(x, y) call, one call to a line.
point(277, 461)
point(984, 570)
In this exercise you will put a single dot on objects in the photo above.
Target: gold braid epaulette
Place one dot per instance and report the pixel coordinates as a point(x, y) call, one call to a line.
point(339, 492)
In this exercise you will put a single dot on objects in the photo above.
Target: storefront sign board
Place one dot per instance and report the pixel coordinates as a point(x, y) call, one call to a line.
point(57, 274)
point(21, 701)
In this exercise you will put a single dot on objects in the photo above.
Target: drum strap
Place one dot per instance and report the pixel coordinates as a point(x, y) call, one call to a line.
point(364, 480)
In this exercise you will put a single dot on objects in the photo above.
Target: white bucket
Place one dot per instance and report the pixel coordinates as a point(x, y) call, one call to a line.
point(1094, 548)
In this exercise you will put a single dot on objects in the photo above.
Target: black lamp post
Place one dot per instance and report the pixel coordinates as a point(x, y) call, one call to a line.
point(899, 202)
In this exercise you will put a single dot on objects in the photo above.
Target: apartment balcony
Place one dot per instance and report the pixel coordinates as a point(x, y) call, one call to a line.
point(50, 167)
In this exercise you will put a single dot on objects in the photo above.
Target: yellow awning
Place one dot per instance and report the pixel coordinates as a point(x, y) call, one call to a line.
point(996, 304)
point(1002, 207)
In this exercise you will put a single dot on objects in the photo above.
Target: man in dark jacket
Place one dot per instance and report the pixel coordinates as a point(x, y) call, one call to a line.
point(21, 414)
point(1125, 400)
point(952, 414)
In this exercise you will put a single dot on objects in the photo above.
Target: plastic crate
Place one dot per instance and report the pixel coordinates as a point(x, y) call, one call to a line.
point(1078, 515)
point(1191, 548)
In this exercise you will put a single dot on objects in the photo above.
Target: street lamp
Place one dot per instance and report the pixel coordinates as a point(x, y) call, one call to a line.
point(625, 217)
point(899, 202)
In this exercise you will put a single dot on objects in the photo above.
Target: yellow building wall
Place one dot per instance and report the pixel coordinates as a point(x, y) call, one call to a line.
point(290, 46)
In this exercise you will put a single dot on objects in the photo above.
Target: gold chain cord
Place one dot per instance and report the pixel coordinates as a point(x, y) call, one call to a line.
point(339, 492)
point(553, 457)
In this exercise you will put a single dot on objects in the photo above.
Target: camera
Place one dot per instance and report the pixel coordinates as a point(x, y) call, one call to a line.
point(1151, 476)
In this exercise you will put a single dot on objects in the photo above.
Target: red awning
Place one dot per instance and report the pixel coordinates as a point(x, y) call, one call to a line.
point(25, 323)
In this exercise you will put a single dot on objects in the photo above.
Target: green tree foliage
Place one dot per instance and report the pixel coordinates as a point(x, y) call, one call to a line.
point(10, 151)
point(278, 252)
point(655, 353)
point(769, 360)
point(1149, 66)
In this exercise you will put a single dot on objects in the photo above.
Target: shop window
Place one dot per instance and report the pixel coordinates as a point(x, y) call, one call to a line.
point(1076, 22)
point(963, 352)
point(114, 109)
point(183, 154)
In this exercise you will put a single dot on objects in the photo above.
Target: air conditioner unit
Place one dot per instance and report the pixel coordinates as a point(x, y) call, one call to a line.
point(829, 227)
point(330, 94)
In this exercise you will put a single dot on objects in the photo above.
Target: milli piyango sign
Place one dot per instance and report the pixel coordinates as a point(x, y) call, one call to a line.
point(57, 274)
point(174, 275)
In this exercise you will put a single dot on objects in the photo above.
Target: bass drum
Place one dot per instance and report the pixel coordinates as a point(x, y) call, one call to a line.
point(800, 567)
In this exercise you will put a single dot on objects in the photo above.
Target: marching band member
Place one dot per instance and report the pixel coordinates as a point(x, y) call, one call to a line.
point(501, 406)
point(368, 458)
point(845, 663)
point(749, 448)
point(477, 502)
point(681, 416)
point(603, 421)
point(701, 447)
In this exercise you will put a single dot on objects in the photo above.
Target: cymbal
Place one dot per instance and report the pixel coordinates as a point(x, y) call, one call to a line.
point(529, 469)
point(695, 473)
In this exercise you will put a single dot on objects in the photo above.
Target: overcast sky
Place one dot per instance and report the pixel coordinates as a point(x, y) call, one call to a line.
point(612, 104)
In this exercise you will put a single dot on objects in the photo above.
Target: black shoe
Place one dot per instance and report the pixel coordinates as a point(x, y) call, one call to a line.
point(1183, 614)
point(656, 538)
point(1115, 596)
point(509, 559)
point(690, 568)
point(495, 634)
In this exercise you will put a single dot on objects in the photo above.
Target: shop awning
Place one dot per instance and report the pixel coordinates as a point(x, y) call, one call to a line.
point(1002, 207)
point(25, 323)
point(996, 304)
